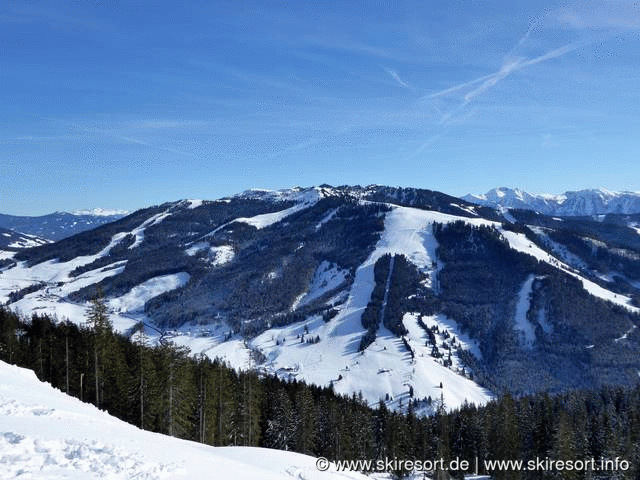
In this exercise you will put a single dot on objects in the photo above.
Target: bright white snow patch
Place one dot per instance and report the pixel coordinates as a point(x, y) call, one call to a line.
point(522, 324)
point(326, 278)
point(28, 241)
point(139, 231)
point(267, 219)
point(306, 199)
point(467, 209)
point(134, 300)
point(221, 255)
point(4, 254)
point(196, 247)
point(45, 434)
point(216, 255)
point(101, 212)
point(626, 334)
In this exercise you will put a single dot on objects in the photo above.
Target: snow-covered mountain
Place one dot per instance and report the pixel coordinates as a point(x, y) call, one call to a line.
point(579, 203)
point(11, 242)
point(400, 294)
point(46, 434)
point(59, 225)
point(14, 241)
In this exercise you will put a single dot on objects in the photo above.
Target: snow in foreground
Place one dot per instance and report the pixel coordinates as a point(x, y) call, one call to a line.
point(45, 434)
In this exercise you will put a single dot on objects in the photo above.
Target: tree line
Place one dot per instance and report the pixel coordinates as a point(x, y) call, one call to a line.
point(164, 389)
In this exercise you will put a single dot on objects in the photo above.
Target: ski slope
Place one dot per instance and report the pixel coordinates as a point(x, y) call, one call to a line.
point(305, 199)
point(385, 367)
point(522, 324)
point(520, 242)
point(47, 435)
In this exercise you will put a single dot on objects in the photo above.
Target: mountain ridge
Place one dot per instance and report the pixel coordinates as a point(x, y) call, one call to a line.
point(397, 293)
point(588, 202)
point(59, 225)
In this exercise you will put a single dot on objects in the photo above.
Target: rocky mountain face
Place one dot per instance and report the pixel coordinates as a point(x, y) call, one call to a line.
point(400, 294)
point(581, 203)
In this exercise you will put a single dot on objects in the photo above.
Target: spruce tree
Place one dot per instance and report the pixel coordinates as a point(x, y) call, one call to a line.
point(139, 388)
point(305, 438)
point(100, 325)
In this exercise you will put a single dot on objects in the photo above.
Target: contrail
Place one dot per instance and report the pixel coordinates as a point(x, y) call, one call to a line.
point(514, 65)
point(393, 74)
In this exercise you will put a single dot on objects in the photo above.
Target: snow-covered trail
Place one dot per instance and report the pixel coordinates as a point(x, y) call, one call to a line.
point(46, 435)
point(522, 324)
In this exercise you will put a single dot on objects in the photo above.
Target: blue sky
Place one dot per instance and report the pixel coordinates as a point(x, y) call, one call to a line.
point(123, 104)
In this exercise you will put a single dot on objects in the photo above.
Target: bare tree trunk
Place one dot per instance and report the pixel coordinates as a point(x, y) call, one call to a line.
point(66, 346)
point(95, 362)
point(141, 400)
point(171, 400)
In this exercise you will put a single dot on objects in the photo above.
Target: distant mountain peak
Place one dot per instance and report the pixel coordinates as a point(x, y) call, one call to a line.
point(58, 225)
point(595, 201)
point(100, 212)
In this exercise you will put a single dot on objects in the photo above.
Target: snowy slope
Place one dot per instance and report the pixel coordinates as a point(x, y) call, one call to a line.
point(305, 199)
point(57, 284)
point(11, 241)
point(385, 367)
point(522, 324)
point(45, 434)
point(520, 242)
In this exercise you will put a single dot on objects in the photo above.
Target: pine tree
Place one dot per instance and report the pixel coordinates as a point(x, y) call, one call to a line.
point(222, 398)
point(100, 325)
point(178, 394)
point(380, 420)
point(282, 421)
point(140, 387)
point(565, 447)
point(9, 344)
point(305, 438)
point(247, 410)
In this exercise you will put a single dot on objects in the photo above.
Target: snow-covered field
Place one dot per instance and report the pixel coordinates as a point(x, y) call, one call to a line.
point(45, 434)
